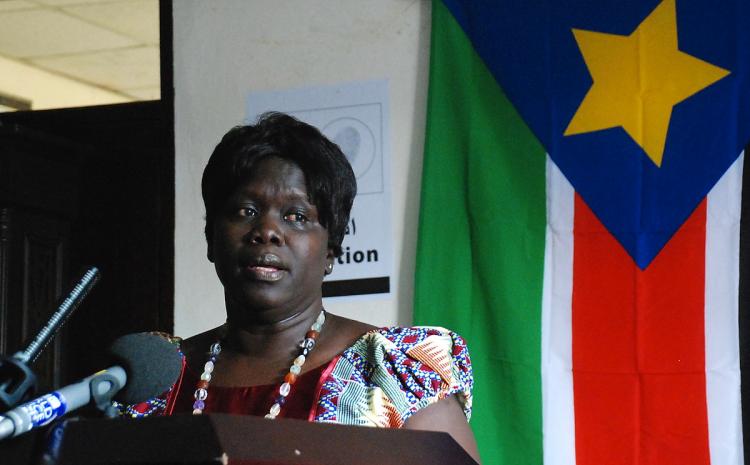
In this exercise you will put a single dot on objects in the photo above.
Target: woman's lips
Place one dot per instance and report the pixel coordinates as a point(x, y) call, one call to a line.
point(264, 273)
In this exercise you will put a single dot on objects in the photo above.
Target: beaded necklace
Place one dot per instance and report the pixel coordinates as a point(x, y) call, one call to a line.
point(306, 346)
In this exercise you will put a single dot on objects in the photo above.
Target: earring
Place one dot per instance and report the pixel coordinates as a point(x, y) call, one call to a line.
point(329, 268)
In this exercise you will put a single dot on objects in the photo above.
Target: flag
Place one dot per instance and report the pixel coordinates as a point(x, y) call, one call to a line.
point(579, 224)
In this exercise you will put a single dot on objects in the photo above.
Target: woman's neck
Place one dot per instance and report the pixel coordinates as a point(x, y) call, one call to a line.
point(258, 334)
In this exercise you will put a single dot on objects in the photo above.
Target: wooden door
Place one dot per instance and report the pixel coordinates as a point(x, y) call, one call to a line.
point(79, 187)
point(38, 205)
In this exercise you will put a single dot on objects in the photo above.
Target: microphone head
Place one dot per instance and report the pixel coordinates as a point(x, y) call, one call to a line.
point(151, 362)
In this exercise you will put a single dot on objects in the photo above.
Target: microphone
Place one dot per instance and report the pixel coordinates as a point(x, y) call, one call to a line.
point(17, 381)
point(146, 366)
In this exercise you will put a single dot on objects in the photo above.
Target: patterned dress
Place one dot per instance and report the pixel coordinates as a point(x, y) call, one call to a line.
point(386, 376)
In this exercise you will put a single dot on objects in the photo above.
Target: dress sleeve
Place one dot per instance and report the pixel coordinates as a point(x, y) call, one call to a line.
point(159, 405)
point(391, 373)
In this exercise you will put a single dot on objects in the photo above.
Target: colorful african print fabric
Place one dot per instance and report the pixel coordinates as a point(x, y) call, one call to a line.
point(391, 373)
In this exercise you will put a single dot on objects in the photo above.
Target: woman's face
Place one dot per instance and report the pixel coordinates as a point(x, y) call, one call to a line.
point(269, 250)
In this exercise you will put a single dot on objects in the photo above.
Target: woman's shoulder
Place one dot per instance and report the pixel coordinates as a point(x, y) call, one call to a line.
point(423, 351)
point(404, 369)
point(407, 338)
point(199, 343)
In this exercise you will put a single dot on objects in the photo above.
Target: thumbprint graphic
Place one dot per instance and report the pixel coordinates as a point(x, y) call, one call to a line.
point(348, 138)
point(356, 140)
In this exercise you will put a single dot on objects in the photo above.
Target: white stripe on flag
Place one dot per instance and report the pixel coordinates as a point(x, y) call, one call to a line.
point(722, 329)
point(557, 350)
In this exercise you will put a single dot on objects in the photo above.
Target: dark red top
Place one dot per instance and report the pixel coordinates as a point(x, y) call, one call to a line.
point(252, 400)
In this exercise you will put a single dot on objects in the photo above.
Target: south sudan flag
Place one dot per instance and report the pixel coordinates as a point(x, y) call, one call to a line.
point(580, 224)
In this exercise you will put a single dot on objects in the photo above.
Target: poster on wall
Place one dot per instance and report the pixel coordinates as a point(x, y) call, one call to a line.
point(354, 116)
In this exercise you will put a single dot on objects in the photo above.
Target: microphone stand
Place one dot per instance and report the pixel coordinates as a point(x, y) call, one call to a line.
point(17, 380)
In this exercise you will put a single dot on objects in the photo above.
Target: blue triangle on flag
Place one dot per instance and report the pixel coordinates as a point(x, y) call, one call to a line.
point(531, 50)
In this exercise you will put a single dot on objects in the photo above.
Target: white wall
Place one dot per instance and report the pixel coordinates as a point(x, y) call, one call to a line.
point(224, 49)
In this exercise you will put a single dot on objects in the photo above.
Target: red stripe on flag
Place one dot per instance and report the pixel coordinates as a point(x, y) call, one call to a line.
point(639, 383)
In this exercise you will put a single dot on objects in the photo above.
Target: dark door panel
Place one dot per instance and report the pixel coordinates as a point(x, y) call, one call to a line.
point(78, 187)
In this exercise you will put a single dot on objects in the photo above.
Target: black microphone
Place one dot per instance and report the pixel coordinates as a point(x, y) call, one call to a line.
point(17, 381)
point(146, 366)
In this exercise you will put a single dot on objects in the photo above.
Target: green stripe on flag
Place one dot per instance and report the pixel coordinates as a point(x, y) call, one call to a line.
point(480, 256)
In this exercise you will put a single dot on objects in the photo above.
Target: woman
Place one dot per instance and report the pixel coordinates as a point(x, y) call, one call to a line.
point(277, 198)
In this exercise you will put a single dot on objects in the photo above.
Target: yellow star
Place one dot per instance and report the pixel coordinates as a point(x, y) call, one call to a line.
point(638, 79)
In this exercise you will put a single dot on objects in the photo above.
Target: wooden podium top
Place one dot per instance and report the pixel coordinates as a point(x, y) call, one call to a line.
point(243, 440)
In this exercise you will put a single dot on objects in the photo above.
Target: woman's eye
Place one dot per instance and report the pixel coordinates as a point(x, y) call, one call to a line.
point(247, 211)
point(296, 217)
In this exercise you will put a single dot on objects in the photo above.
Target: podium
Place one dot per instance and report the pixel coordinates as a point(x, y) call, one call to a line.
point(221, 439)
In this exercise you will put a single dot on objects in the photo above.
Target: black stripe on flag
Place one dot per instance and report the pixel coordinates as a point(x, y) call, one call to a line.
point(744, 304)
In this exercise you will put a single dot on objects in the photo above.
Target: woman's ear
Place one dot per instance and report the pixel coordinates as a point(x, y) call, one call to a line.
point(209, 235)
point(330, 257)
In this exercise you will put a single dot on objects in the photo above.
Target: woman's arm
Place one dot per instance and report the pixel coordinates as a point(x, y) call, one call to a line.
point(446, 415)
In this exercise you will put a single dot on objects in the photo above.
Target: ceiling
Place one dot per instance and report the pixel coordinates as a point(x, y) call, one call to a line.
point(111, 45)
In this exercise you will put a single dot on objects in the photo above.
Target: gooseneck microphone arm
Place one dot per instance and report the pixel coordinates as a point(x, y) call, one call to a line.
point(71, 302)
point(17, 380)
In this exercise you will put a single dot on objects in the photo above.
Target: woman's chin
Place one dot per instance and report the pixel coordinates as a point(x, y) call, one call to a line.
point(266, 298)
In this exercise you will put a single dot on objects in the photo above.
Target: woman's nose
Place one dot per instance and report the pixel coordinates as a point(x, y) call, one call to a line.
point(266, 230)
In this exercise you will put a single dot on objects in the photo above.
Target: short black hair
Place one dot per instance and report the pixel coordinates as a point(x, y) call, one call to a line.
point(329, 178)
